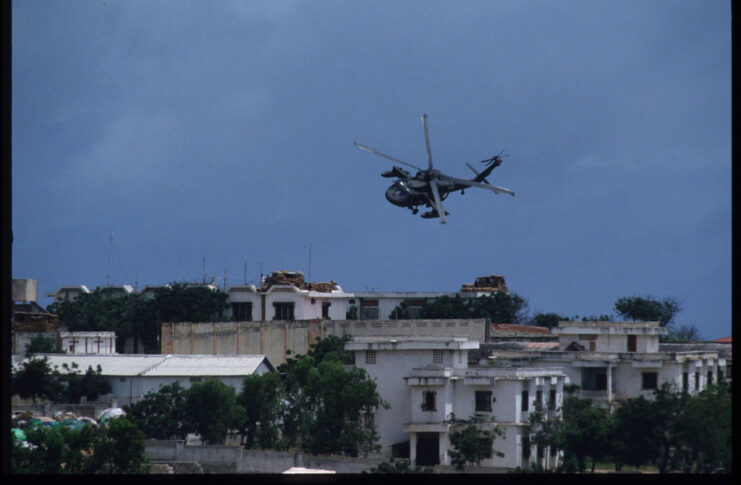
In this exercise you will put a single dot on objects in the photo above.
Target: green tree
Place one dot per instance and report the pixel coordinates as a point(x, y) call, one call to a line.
point(326, 404)
point(119, 448)
point(339, 399)
point(471, 444)
point(41, 344)
point(138, 317)
point(261, 399)
point(635, 435)
point(114, 449)
point(182, 303)
point(331, 348)
point(704, 432)
point(646, 309)
point(210, 410)
point(91, 384)
point(549, 320)
point(584, 433)
point(160, 414)
point(34, 378)
point(497, 307)
point(45, 451)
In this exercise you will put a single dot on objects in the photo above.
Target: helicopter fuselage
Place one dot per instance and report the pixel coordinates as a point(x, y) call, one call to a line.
point(416, 191)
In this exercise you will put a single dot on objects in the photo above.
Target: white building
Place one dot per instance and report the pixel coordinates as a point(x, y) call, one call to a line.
point(88, 342)
point(132, 376)
point(285, 296)
point(427, 381)
point(613, 361)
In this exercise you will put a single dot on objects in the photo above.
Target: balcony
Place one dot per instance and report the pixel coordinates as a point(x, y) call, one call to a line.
point(597, 395)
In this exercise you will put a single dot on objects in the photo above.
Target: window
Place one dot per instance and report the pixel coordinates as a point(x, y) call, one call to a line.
point(649, 380)
point(697, 381)
point(710, 377)
point(122, 379)
point(685, 382)
point(632, 340)
point(538, 400)
point(283, 311)
point(368, 309)
point(370, 356)
point(242, 311)
point(325, 310)
point(525, 398)
point(437, 356)
point(428, 401)
point(720, 375)
point(552, 400)
point(483, 401)
point(195, 379)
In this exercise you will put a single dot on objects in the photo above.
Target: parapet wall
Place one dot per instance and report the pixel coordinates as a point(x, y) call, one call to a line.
point(275, 339)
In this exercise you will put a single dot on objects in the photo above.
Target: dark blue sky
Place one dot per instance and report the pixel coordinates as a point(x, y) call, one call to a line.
point(223, 130)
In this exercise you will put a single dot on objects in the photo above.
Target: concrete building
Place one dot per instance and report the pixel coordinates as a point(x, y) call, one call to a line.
point(428, 381)
point(29, 320)
point(133, 376)
point(613, 361)
point(277, 338)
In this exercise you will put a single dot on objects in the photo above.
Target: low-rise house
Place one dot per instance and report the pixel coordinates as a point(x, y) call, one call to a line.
point(133, 376)
point(428, 381)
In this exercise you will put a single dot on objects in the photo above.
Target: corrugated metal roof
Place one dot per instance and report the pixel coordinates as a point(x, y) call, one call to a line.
point(206, 365)
point(163, 365)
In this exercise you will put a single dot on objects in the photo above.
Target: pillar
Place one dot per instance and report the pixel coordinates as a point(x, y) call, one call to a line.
point(413, 449)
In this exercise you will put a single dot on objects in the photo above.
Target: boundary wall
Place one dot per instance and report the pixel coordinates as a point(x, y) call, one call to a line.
point(275, 339)
point(235, 459)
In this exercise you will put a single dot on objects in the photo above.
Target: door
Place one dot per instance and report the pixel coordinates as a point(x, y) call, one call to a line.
point(428, 449)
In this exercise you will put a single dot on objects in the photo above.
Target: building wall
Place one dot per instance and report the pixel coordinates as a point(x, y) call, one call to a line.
point(130, 389)
point(275, 338)
point(388, 372)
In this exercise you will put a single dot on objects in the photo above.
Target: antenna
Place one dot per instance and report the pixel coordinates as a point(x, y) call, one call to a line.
point(224, 279)
point(245, 273)
point(203, 272)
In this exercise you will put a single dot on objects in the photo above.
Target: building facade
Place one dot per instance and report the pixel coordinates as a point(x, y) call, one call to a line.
point(430, 387)
point(614, 361)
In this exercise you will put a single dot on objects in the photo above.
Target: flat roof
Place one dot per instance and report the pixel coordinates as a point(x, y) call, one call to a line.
point(163, 365)
point(411, 343)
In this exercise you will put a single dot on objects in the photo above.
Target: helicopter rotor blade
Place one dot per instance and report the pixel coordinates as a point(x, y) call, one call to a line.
point(471, 183)
point(438, 202)
point(427, 141)
point(473, 169)
point(376, 152)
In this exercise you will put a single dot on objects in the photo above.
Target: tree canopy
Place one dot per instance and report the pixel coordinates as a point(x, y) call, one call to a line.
point(674, 431)
point(499, 307)
point(161, 414)
point(327, 404)
point(116, 448)
point(210, 409)
point(646, 309)
point(138, 317)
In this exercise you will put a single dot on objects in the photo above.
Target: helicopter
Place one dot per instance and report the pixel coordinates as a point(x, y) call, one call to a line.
point(430, 187)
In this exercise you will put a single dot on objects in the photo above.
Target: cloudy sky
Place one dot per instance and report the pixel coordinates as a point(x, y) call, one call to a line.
point(224, 130)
